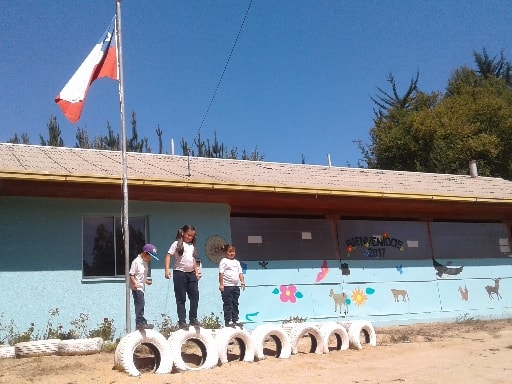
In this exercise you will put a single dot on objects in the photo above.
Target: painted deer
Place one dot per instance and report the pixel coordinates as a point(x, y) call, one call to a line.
point(496, 289)
point(339, 301)
point(400, 292)
point(464, 294)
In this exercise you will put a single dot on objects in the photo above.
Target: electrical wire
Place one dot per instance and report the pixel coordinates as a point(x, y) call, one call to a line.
point(224, 70)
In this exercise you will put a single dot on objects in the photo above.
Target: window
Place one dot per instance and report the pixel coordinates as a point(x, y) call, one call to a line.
point(470, 240)
point(103, 244)
point(283, 238)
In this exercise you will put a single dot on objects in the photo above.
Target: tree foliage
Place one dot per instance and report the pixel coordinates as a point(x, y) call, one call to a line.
point(159, 133)
point(111, 141)
point(441, 133)
point(216, 149)
point(488, 67)
point(134, 144)
point(54, 134)
point(22, 139)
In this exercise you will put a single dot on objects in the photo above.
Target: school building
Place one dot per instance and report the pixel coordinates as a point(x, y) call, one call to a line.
point(316, 242)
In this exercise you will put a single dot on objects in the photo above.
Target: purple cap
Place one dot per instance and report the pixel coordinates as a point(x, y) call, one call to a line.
point(150, 249)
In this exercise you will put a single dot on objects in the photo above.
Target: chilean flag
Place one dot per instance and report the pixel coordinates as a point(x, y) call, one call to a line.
point(101, 62)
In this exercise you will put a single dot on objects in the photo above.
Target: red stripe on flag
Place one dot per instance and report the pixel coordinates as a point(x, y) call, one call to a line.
point(71, 110)
point(109, 66)
point(101, 62)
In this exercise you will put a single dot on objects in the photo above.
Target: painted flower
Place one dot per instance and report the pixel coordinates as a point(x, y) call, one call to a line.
point(288, 293)
point(359, 297)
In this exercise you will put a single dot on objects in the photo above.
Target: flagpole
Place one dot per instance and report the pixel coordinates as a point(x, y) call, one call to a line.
point(126, 232)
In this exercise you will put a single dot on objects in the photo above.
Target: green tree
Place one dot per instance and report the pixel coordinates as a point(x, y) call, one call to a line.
point(474, 124)
point(22, 139)
point(203, 148)
point(54, 134)
point(82, 139)
point(159, 134)
point(488, 67)
point(133, 144)
point(255, 155)
point(111, 141)
point(386, 102)
point(442, 132)
point(396, 141)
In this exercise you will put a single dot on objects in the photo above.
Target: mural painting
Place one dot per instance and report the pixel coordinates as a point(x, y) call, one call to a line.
point(249, 316)
point(366, 253)
point(345, 270)
point(288, 293)
point(340, 300)
point(397, 293)
point(359, 297)
point(464, 294)
point(446, 269)
point(494, 289)
point(323, 272)
point(213, 248)
point(375, 246)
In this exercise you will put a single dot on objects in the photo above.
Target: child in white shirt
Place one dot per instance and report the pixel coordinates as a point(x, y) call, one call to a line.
point(138, 280)
point(231, 277)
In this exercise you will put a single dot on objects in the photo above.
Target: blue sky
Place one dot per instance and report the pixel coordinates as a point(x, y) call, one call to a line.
point(299, 80)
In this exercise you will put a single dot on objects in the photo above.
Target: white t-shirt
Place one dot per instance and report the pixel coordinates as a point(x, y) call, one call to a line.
point(139, 270)
point(186, 261)
point(231, 270)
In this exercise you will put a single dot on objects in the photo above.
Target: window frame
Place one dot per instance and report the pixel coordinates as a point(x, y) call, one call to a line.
point(114, 244)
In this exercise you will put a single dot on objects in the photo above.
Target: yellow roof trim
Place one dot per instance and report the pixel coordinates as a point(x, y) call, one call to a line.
point(5, 174)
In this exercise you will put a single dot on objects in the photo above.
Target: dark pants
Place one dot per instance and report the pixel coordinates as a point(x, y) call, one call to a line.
point(230, 303)
point(185, 284)
point(138, 301)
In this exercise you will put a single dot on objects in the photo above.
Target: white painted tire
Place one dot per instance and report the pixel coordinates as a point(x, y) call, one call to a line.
point(302, 329)
point(155, 341)
point(281, 338)
point(355, 328)
point(7, 352)
point(331, 328)
point(76, 347)
point(36, 348)
point(226, 335)
point(206, 343)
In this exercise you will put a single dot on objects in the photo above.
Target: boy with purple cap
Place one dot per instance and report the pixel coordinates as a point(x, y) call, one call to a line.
point(138, 280)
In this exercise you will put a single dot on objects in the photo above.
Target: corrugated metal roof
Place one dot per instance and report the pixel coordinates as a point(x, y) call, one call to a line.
point(41, 162)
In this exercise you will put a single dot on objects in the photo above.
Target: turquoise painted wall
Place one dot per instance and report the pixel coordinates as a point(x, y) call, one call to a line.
point(428, 297)
point(40, 268)
point(40, 264)
point(386, 270)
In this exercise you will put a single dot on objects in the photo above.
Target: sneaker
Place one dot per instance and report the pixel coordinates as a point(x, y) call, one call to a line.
point(230, 324)
point(195, 323)
point(238, 324)
point(183, 325)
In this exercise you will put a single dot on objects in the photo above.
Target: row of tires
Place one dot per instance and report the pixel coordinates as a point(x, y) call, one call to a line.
point(48, 347)
point(214, 344)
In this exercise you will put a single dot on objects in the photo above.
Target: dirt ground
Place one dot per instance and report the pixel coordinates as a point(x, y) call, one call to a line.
point(462, 352)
